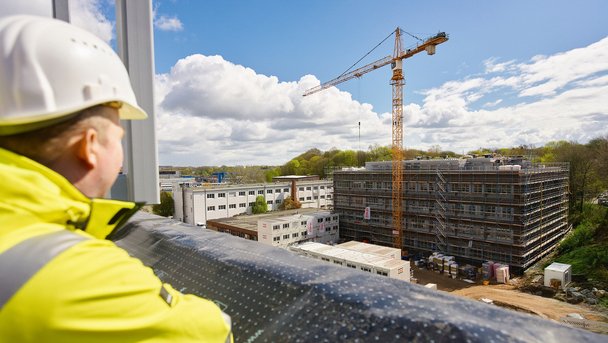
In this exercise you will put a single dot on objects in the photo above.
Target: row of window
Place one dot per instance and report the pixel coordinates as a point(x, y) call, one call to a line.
point(259, 192)
point(316, 197)
point(241, 205)
point(314, 187)
point(287, 236)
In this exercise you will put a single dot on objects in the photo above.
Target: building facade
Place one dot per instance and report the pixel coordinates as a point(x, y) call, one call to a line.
point(321, 227)
point(196, 205)
point(505, 210)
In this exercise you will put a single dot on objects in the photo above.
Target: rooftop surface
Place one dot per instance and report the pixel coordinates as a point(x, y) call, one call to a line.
point(250, 222)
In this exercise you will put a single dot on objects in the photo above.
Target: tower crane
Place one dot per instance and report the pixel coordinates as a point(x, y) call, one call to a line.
point(396, 61)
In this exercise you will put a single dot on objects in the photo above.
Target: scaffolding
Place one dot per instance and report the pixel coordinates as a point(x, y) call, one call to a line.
point(476, 209)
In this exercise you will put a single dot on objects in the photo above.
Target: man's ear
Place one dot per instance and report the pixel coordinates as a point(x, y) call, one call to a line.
point(87, 148)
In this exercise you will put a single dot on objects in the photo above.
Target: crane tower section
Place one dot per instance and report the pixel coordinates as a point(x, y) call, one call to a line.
point(396, 61)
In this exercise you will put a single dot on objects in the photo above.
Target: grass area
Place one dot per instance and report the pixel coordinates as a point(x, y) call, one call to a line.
point(586, 247)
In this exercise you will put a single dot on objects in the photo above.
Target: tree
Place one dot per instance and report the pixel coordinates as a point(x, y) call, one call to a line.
point(260, 205)
point(290, 204)
point(165, 208)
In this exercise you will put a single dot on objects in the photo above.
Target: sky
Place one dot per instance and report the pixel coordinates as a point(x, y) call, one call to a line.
point(230, 74)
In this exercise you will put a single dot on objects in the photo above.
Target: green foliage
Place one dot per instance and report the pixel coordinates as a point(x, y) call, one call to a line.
point(165, 208)
point(589, 224)
point(586, 247)
point(586, 259)
point(270, 173)
point(290, 204)
point(260, 205)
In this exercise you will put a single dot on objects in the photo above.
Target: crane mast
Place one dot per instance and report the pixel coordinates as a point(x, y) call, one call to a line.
point(397, 142)
point(396, 61)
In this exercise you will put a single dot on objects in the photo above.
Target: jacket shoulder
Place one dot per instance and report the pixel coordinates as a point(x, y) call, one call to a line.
point(95, 289)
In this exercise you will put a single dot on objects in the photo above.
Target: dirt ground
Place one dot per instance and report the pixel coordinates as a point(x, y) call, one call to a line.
point(509, 297)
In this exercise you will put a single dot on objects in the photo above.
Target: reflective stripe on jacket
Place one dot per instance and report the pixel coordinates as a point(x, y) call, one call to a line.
point(92, 291)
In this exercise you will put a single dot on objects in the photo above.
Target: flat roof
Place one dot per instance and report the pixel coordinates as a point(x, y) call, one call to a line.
point(350, 255)
point(558, 267)
point(250, 222)
point(296, 177)
point(228, 186)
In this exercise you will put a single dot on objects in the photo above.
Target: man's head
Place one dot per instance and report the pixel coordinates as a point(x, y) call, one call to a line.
point(62, 92)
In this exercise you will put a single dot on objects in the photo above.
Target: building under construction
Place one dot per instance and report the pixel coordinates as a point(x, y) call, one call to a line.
point(501, 209)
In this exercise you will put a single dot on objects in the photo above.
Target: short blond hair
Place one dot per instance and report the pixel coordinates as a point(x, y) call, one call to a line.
point(47, 144)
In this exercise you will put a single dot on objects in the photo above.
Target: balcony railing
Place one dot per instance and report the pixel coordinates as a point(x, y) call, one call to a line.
point(274, 295)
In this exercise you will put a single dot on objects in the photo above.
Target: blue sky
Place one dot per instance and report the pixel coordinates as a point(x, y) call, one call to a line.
point(230, 74)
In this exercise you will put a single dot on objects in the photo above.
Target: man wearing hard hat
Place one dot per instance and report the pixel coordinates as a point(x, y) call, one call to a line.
point(62, 93)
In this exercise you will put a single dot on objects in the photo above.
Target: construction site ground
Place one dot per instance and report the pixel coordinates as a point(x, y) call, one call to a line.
point(508, 296)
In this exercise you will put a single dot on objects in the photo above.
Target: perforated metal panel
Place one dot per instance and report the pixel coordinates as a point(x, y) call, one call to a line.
point(274, 295)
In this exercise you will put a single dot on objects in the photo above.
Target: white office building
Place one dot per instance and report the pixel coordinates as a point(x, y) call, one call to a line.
point(196, 205)
point(319, 227)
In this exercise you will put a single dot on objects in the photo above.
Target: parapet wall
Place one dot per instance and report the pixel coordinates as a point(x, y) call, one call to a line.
point(274, 295)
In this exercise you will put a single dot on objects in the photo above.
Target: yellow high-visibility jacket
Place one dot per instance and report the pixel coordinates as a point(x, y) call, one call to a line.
point(93, 291)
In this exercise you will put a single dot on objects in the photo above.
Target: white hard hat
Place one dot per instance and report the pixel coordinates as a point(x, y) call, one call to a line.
point(50, 69)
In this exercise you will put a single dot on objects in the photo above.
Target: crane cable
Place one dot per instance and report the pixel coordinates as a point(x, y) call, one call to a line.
point(374, 48)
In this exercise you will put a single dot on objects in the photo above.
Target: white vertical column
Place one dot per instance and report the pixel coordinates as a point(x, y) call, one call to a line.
point(61, 10)
point(136, 48)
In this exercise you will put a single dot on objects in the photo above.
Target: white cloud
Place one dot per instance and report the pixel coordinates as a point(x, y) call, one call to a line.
point(547, 98)
point(212, 111)
point(165, 23)
point(88, 15)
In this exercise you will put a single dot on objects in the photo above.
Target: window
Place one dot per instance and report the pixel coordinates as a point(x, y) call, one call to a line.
point(221, 207)
point(269, 202)
point(304, 233)
point(301, 188)
point(232, 206)
point(381, 273)
point(301, 198)
point(294, 235)
point(277, 191)
point(337, 262)
point(351, 265)
point(221, 195)
point(335, 218)
point(276, 227)
point(251, 192)
point(303, 223)
point(320, 220)
point(308, 198)
point(269, 191)
point(231, 194)
point(251, 204)
point(242, 193)
point(322, 196)
point(286, 225)
point(276, 239)
point(260, 192)
point(316, 197)
point(242, 205)
point(315, 187)
point(328, 196)
point(278, 202)
point(210, 196)
point(322, 187)
point(285, 236)
point(327, 219)
point(308, 188)
point(285, 190)
point(366, 269)
point(325, 259)
point(210, 208)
